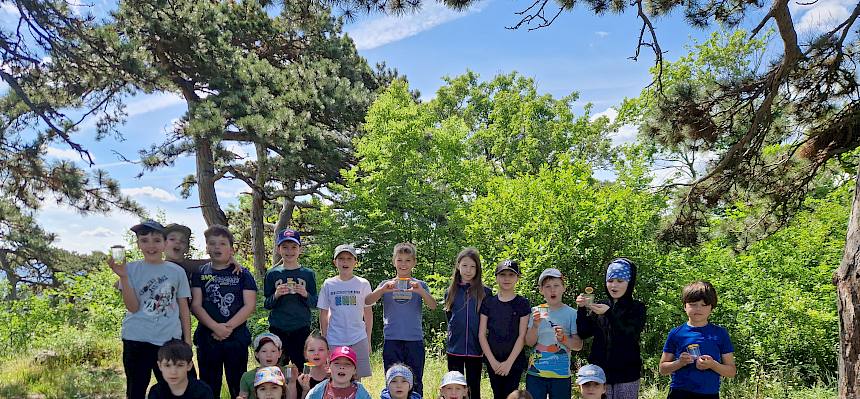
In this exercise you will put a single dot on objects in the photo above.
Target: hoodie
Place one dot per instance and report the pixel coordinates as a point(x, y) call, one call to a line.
point(616, 335)
point(387, 395)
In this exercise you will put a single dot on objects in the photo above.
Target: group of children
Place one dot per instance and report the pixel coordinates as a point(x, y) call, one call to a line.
point(484, 329)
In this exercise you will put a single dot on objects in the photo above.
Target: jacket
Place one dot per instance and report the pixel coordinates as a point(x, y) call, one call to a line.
point(386, 395)
point(318, 391)
point(463, 320)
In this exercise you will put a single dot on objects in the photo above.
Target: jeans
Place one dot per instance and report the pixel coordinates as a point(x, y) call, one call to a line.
point(541, 387)
point(293, 344)
point(216, 358)
point(139, 361)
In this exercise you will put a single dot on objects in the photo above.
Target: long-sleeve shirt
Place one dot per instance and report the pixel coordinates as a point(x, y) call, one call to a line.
point(292, 311)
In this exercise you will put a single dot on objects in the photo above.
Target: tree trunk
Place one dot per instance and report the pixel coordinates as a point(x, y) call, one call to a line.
point(285, 217)
point(848, 293)
point(212, 212)
point(258, 233)
point(11, 277)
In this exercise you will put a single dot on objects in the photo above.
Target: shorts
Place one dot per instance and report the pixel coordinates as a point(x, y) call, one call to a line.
point(362, 354)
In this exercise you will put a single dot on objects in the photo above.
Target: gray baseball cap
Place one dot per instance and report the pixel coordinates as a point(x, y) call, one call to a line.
point(344, 248)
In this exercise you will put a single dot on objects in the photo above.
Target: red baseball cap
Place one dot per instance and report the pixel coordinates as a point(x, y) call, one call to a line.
point(343, 351)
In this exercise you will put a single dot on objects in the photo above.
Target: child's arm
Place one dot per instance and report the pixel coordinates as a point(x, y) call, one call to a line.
point(485, 346)
point(220, 330)
point(185, 320)
point(532, 332)
point(324, 322)
point(726, 369)
point(269, 292)
point(669, 365)
point(425, 295)
point(368, 322)
point(383, 289)
point(312, 290)
point(249, 298)
point(129, 298)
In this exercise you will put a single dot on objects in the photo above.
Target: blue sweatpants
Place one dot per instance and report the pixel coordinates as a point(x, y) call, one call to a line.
point(410, 353)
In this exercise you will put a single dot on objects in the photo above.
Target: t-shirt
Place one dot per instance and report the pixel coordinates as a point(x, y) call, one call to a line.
point(222, 298)
point(345, 303)
point(246, 382)
point(340, 393)
point(405, 307)
point(550, 358)
point(312, 382)
point(196, 390)
point(503, 326)
point(713, 340)
point(157, 286)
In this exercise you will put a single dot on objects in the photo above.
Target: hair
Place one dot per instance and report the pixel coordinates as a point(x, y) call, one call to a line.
point(545, 279)
point(145, 231)
point(520, 394)
point(477, 288)
point(175, 350)
point(217, 230)
point(314, 335)
point(700, 291)
point(283, 389)
point(404, 248)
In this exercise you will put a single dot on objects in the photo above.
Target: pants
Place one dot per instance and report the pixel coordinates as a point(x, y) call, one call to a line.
point(472, 367)
point(362, 355)
point(294, 344)
point(680, 394)
point(503, 385)
point(410, 353)
point(214, 357)
point(624, 390)
point(541, 387)
point(139, 361)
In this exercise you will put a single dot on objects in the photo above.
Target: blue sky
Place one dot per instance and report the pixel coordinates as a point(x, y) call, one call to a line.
point(579, 52)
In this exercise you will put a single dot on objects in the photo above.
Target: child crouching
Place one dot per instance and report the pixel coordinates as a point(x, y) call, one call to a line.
point(399, 382)
point(341, 384)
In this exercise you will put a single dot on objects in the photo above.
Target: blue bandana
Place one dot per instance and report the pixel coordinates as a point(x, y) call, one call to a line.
point(620, 269)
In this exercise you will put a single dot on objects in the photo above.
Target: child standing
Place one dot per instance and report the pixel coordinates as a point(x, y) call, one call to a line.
point(616, 325)
point(222, 302)
point(154, 293)
point(398, 383)
point(591, 381)
point(505, 317)
point(404, 339)
point(697, 353)
point(462, 301)
point(341, 384)
point(454, 386)
point(552, 331)
point(345, 319)
point(291, 291)
point(174, 362)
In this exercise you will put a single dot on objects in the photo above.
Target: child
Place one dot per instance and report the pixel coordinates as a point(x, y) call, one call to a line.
point(591, 381)
point(552, 331)
point(174, 362)
point(520, 394)
point(454, 386)
point(291, 291)
point(700, 342)
point(267, 351)
point(462, 301)
point(398, 383)
point(341, 384)
point(222, 302)
point(153, 292)
point(616, 325)
point(404, 339)
point(505, 316)
point(316, 366)
point(178, 243)
point(269, 383)
point(345, 319)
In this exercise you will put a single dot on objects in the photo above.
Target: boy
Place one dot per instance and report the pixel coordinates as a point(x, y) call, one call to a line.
point(290, 291)
point(345, 320)
point(697, 352)
point(153, 292)
point(404, 339)
point(267, 351)
point(178, 243)
point(174, 362)
point(222, 302)
point(552, 331)
point(454, 386)
point(399, 382)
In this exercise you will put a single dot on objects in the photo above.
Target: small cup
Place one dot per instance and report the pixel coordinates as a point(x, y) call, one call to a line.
point(117, 253)
point(544, 311)
point(402, 284)
point(291, 286)
point(307, 368)
point(694, 351)
point(589, 299)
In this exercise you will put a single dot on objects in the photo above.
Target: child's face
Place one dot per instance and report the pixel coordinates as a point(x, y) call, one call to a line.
point(177, 245)
point(345, 263)
point(404, 263)
point(316, 352)
point(398, 388)
point(468, 269)
point(269, 390)
point(616, 287)
point(552, 290)
point(698, 312)
point(454, 391)
point(268, 354)
point(174, 372)
point(152, 246)
point(592, 390)
point(290, 251)
point(507, 280)
point(342, 371)
point(219, 249)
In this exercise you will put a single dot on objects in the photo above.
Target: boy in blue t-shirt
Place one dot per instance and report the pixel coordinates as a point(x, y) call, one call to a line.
point(402, 299)
point(552, 331)
point(222, 302)
point(697, 352)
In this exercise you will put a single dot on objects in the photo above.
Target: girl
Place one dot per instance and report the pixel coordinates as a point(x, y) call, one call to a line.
point(269, 383)
point(462, 301)
point(520, 394)
point(454, 386)
point(399, 382)
point(506, 317)
point(616, 325)
point(316, 354)
point(591, 381)
point(341, 384)
point(267, 351)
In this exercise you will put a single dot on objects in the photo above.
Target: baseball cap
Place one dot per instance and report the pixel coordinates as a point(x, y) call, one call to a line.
point(548, 273)
point(343, 351)
point(177, 227)
point(453, 377)
point(147, 224)
point(271, 374)
point(267, 336)
point(288, 235)
point(345, 248)
point(398, 370)
point(589, 373)
point(508, 264)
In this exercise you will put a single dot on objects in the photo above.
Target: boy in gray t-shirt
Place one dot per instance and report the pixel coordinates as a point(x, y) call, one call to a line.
point(150, 289)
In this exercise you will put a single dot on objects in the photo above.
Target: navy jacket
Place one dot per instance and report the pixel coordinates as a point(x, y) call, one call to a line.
point(463, 320)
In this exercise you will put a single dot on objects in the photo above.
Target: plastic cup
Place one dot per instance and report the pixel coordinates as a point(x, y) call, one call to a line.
point(694, 351)
point(117, 253)
point(544, 311)
point(307, 368)
point(402, 284)
point(288, 371)
point(291, 286)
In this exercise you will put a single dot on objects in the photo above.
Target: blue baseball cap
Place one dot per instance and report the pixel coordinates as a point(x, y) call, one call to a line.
point(288, 235)
point(147, 224)
point(589, 373)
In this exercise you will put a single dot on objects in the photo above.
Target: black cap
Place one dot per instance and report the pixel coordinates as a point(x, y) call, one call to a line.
point(147, 224)
point(508, 264)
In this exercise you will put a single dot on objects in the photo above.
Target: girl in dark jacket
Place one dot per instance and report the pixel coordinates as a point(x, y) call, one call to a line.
point(616, 325)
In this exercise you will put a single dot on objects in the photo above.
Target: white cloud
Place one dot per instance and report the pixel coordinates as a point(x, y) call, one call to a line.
point(153, 102)
point(9, 8)
point(387, 29)
point(820, 16)
point(151, 192)
point(65, 153)
point(98, 232)
point(625, 134)
point(601, 34)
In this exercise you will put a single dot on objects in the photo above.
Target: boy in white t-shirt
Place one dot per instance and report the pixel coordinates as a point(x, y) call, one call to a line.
point(344, 318)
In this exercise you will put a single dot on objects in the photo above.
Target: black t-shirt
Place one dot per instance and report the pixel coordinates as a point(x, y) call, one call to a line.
point(223, 297)
point(312, 382)
point(503, 326)
point(196, 390)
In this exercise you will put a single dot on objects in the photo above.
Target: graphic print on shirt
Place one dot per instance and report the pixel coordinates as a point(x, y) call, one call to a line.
point(157, 296)
point(213, 284)
point(346, 297)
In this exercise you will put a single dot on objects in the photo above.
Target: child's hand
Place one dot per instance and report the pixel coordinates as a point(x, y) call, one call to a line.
point(559, 334)
point(504, 368)
point(599, 308)
point(281, 290)
point(305, 382)
point(222, 331)
point(237, 267)
point(536, 319)
point(242, 395)
point(417, 288)
point(389, 286)
point(301, 290)
point(118, 268)
point(581, 301)
point(705, 362)
point(685, 358)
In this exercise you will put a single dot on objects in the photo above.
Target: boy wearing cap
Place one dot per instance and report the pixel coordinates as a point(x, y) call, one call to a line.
point(291, 292)
point(267, 351)
point(342, 384)
point(345, 319)
point(552, 331)
point(399, 381)
point(454, 386)
point(591, 381)
point(151, 290)
point(174, 362)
